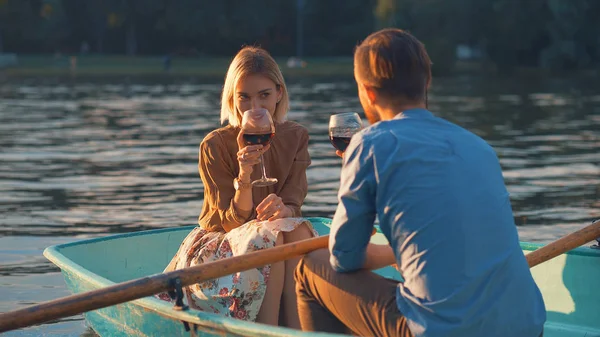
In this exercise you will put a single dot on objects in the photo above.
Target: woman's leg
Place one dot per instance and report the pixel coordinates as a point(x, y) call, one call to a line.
point(269, 309)
point(290, 306)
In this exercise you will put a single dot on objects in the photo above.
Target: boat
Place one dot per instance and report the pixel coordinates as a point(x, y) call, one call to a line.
point(570, 285)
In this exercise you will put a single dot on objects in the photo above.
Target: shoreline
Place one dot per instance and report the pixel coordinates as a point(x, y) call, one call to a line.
point(216, 67)
point(110, 66)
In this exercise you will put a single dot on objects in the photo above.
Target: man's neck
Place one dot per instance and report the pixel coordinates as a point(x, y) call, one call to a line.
point(388, 112)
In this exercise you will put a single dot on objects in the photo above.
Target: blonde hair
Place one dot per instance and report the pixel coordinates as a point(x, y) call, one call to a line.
point(250, 61)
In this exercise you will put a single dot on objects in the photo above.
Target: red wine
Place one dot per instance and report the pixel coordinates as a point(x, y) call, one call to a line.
point(258, 139)
point(340, 143)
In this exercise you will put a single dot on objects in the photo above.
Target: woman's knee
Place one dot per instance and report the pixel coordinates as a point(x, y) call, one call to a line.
point(301, 232)
point(280, 239)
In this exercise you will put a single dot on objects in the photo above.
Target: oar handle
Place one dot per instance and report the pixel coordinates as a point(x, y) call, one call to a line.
point(147, 286)
point(564, 244)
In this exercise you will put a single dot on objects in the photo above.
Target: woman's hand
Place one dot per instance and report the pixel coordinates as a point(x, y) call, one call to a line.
point(272, 208)
point(339, 153)
point(248, 156)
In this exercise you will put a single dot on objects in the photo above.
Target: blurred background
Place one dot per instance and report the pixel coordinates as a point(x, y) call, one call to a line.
point(103, 104)
point(503, 34)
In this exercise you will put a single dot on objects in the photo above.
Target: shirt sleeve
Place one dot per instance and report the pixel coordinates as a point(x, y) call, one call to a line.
point(355, 215)
point(295, 188)
point(217, 176)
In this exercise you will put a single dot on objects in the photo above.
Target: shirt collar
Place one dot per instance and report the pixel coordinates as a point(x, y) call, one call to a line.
point(416, 113)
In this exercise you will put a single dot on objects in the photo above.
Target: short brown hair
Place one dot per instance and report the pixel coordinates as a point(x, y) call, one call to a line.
point(252, 60)
point(394, 63)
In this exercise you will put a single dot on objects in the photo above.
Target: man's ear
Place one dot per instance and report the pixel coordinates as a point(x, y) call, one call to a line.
point(371, 94)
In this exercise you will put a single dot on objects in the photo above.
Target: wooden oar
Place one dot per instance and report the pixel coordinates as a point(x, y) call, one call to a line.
point(147, 286)
point(564, 244)
point(150, 285)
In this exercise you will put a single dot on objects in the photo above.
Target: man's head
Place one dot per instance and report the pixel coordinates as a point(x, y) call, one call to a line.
point(391, 68)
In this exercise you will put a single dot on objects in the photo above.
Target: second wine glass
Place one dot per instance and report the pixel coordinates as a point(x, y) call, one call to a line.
point(258, 129)
point(341, 128)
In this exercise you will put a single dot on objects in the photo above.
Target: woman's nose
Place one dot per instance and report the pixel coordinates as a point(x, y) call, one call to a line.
point(255, 103)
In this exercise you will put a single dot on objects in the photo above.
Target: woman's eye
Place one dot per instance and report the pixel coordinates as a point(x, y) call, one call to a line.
point(242, 97)
point(264, 95)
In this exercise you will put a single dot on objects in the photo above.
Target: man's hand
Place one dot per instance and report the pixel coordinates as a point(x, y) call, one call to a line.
point(379, 256)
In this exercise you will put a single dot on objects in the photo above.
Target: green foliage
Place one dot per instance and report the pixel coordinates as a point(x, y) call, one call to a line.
point(335, 27)
point(19, 23)
point(556, 34)
point(572, 40)
point(53, 27)
point(437, 23)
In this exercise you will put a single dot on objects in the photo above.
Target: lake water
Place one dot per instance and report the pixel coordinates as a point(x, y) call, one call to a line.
point(81, 158)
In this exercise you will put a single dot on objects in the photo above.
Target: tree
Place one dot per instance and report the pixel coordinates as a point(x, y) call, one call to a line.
point(19, 24)
point(386, 13)
point(515, 32)
point(335, 27)
point(437, 23)
point(126, 18)
point(511, 33)
point(568, 34)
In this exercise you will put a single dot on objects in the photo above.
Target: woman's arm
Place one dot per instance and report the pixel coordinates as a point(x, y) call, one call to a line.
point(287, 204)
point(223, 204)
point(295, 188)
point(247, 157)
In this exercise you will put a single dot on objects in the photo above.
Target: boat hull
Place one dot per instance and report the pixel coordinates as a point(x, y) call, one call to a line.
point(569, 283)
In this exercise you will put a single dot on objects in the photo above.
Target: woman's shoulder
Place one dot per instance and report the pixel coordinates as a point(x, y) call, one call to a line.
point(293, 128)
point(219, 137)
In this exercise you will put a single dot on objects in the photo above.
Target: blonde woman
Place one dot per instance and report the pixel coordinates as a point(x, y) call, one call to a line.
point(237, 218)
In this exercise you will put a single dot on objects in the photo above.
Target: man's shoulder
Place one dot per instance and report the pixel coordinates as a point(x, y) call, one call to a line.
point(376, 133)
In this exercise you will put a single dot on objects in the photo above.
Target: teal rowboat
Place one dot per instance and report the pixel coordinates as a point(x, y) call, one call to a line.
point(570, 284)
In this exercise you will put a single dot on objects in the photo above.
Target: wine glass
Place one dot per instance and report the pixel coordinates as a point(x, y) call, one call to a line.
point(341, 128)
point(258, 128)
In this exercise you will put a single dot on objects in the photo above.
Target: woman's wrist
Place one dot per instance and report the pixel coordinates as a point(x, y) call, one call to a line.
point(244, 178)
point(290, 210)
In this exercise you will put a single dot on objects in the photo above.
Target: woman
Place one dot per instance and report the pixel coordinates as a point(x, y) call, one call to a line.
point(237, 218)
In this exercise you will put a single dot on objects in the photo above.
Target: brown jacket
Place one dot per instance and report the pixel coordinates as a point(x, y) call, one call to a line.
point(286, 160)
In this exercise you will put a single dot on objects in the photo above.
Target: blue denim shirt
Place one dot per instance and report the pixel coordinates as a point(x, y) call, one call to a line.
point(439, 193)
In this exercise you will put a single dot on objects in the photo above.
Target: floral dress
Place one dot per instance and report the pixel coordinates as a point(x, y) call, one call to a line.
point(239, 295)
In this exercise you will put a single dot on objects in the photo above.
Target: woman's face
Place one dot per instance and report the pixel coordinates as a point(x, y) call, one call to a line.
point(256, 91)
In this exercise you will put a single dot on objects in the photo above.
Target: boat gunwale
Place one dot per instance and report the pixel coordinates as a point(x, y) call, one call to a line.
point(525, 245)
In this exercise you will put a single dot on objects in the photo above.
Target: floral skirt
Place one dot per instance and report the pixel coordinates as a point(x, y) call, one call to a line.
point(239, 295)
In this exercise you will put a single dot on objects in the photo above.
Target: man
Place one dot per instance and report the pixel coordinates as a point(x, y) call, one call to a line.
point(439, 194)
